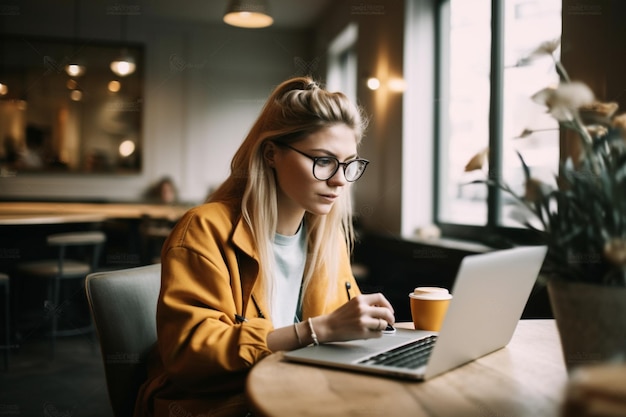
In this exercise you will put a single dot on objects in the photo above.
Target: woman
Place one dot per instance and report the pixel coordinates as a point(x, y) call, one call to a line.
point(163, 192)
point(263, 266)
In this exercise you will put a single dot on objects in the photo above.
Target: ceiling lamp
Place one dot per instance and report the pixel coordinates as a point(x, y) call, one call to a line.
point(114, 86)
point(124, 64)
point(248, 14)
point(75, 68)
point(76, 95)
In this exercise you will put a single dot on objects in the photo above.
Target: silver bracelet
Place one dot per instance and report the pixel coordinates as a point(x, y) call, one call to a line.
point(313, 335)
point(295, 327)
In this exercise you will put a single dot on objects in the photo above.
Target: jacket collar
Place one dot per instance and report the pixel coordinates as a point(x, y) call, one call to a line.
point(242, 238)
point(249, 266)
point(314, 303)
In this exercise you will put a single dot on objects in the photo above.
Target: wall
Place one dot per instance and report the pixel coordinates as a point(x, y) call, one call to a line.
point(378, 195)
point(204, 86)
point(592, 50)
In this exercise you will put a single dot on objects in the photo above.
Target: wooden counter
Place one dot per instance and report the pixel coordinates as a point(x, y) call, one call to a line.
point(31, 213)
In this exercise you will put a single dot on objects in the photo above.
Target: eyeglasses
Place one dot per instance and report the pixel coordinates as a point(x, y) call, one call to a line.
point(324, 167)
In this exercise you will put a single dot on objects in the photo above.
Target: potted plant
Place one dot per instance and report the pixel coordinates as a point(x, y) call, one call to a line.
point(582, 220)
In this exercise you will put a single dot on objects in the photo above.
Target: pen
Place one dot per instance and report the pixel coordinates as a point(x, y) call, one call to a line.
point(258, 309)
point(348, 286)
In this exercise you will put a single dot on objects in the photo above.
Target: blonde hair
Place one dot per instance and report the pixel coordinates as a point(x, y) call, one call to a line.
point(296, 108)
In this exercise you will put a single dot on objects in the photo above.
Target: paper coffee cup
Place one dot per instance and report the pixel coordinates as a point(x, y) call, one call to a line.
point(428, 307)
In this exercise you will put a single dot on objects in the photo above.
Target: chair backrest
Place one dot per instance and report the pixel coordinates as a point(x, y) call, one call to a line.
point(123, 305)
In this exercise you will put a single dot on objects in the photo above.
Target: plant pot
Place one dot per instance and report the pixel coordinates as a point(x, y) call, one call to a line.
point(591, 320)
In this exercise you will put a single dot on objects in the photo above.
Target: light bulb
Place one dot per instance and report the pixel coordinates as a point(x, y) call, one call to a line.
point(75, 70)
point(114, 86)
point(127, 148)
point(76, 95)
point(124, 65)
point(373, 83)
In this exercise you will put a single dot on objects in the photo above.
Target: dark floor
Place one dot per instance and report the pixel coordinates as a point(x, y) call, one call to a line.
point(71, 385)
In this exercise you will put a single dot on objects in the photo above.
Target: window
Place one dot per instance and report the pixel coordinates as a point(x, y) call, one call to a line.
point(485, 86)
point(342, 73)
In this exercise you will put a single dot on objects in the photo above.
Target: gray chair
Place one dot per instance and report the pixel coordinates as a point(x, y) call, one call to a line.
point(78, 254)
point(123, 305)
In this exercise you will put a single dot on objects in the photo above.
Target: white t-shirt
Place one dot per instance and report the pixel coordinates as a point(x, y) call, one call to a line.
point(290, 257)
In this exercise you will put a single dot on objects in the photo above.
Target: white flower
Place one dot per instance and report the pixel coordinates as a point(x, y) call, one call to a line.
point(563, 102)
point(546, 48)
point(597, 131)
point(479, 160)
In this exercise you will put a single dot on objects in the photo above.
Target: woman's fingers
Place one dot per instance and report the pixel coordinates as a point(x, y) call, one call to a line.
point(377, 299)
point(379, 325)
point(365, 316)
point(379, 308)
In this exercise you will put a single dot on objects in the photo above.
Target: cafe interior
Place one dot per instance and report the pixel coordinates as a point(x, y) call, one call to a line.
point(116, 117)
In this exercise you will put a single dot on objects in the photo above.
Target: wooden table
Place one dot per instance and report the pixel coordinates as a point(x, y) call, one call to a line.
point(25, 219)
point(526, 378)
point(26, 213)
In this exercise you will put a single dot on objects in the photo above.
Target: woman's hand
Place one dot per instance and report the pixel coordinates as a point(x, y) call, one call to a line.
point(363, 317)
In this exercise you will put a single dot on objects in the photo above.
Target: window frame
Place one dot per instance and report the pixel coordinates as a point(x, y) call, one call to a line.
point(492, 234)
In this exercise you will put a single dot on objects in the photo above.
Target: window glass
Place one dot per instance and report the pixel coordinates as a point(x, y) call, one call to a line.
point(527, 127)
point(464, 112)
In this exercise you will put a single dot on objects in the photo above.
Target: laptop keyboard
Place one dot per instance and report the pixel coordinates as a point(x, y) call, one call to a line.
point(411, 356)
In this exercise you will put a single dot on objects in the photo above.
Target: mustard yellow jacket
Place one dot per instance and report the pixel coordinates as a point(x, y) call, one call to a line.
point(210, 273)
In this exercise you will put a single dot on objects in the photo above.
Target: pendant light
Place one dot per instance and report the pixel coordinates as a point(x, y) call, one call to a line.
point(248, 14)
point(75, 68)
point(124, 64)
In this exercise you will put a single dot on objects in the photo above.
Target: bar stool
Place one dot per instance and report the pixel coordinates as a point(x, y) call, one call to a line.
point(6, 347)
point(65, 269)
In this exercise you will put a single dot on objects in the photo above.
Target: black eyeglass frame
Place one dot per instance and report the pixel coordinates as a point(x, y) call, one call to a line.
point(339, 163)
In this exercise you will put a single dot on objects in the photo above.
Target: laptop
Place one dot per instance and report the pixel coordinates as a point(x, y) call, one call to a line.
point(489, 296)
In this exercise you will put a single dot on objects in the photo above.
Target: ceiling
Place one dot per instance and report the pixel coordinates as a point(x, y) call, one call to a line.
point(286, 13)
